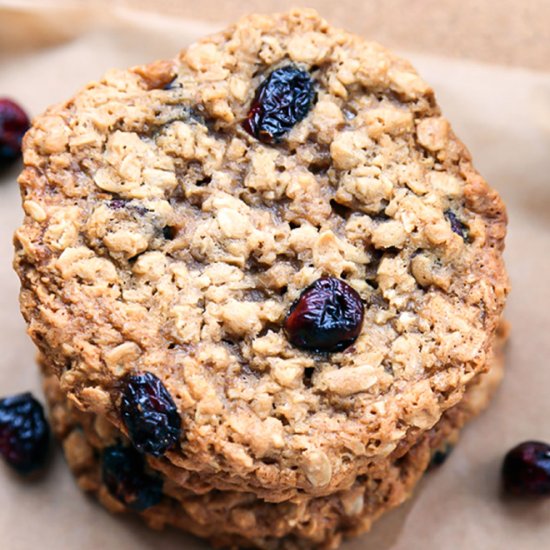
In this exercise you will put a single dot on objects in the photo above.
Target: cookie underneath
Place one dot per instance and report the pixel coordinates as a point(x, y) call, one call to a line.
point(230, 518)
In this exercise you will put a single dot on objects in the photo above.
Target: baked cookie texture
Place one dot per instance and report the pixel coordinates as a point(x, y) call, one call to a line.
point(161, 235)
point(241, 519)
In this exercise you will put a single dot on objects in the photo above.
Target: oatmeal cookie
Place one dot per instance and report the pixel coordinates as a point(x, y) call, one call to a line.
point(231, 518)
point(268, 261)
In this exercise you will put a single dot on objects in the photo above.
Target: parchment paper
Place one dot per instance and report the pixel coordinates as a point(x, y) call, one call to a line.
point(503, 114)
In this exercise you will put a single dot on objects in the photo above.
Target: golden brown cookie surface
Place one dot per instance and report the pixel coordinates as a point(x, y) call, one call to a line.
point(160, 236)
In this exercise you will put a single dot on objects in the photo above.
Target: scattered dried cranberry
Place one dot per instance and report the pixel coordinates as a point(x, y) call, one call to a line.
point(327, 316)
point(169, 232)
point(526, 469)
point(457, 226)
point(124, 475)
point(149, 414)
point(24, 432)
point(282, 100)
point(14, 122)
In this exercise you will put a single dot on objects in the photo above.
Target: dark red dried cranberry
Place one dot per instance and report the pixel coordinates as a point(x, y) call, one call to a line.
point(124, 475)
point(282, 100)
point(169, 232)
point(457, 226)
point(526, 469)
point(24, 432)
point(326, 318)
point(14, 122)
point(149, 414)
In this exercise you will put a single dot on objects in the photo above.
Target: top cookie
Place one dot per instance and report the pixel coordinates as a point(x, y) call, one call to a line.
point(281, 227)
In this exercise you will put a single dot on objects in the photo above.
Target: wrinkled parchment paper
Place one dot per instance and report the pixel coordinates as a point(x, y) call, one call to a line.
point(503, 115)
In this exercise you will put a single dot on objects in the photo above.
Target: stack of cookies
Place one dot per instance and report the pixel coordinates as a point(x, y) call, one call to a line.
point(265, 280)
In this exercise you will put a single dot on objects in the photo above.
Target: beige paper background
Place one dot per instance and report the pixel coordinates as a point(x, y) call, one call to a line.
point(502, 113)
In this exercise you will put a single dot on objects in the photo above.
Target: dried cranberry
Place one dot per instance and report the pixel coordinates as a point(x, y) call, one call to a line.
point(169, 232)
point(327, 316)
point(457, 226)
point(24, 432)
point(149, 414)
point(282, 100)
point(124, 475)
point(526, 469)
point(14, 122)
